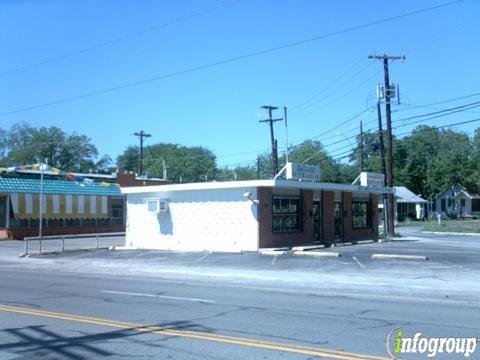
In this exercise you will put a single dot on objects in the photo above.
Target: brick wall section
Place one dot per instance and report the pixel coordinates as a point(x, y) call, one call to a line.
point(351, 234)
point(267, 238)
point(127, 180)
point(328, 217)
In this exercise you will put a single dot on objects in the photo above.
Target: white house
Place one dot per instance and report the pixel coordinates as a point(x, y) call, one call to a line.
point(408, 205)
point(248, 215)
point(457, 200)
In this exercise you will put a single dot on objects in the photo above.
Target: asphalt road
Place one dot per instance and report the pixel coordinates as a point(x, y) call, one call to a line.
point(199, 305)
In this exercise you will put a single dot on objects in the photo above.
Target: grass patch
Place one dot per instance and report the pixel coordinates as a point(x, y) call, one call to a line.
point(460, 226)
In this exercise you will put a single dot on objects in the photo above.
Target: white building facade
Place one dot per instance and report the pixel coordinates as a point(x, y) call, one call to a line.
point(247, 215)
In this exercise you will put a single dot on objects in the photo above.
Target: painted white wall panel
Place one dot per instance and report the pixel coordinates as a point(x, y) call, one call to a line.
point(215, 219)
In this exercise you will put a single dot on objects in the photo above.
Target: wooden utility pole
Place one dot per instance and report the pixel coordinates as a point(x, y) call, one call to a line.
point(142, 134)
point(362, 155)
point(270, 120)
point(389, 92)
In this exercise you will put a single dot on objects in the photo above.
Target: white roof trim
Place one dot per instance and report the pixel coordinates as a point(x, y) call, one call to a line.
point(288, 184)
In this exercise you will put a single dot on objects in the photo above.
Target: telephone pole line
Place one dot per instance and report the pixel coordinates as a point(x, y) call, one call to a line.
point(141, 135)
point(271, 120)
point(362, 163)
point(389, 92)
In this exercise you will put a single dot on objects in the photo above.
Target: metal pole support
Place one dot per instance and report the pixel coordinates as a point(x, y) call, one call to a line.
point(26, 246)
point(40, 248)
point(96, 238)
point(63, 244)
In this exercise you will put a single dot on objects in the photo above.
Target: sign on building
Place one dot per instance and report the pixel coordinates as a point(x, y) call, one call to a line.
point(302, 172)
point(374, 181)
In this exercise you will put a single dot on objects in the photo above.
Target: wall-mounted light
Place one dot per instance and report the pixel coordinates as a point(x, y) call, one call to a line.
point(248, 194)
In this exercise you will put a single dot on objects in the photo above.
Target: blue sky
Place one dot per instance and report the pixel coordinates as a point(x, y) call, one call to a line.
point(323, 82)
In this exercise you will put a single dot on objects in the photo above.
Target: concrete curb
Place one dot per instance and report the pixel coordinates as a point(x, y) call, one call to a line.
point(399, 257)
point(308, 247)
point(449, 233)
point(317, 253)
point(272, 252)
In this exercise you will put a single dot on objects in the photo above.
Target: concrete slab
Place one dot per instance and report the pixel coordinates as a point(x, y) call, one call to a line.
point(317, 253)
point(399, 257)
point(307, 247)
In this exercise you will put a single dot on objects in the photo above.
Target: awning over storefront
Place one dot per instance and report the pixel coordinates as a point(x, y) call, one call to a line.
point(27, 206)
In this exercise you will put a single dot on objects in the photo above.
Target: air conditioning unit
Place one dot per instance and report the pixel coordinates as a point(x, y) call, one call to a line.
point(156, 206)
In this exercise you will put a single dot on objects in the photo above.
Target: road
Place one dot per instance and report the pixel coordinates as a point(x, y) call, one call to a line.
point(59, 307)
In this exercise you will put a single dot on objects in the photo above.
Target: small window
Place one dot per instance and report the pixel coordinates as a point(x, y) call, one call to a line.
point(286, 215)
point(442, 205)
point(361, 214)
point(476, 205)
point(462, 203)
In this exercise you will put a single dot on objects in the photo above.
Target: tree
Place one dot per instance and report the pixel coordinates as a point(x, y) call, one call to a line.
point(25, 144)
point(184, 164)
point(313, 153)
point(430, 160)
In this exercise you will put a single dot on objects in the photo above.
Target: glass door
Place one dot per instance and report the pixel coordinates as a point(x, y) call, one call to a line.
point(317, 222)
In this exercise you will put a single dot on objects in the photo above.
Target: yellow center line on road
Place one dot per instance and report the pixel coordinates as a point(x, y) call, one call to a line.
point(199, 335)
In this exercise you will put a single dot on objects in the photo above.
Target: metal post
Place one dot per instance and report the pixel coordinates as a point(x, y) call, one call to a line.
point(26, 246)
point(40, 225)
point(63, 243)
point(96, 238)
point(40, 246)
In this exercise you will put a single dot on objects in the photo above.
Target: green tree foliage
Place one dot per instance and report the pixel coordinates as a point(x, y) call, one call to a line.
point(25, 144)
point(429, 159)
point(184, 164)
point(313, 153)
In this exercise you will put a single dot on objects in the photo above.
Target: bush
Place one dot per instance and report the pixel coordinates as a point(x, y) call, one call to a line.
point(452, 215)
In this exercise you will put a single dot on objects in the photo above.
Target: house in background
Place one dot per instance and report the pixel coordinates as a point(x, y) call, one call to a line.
point(458, 201)
point(409, 206)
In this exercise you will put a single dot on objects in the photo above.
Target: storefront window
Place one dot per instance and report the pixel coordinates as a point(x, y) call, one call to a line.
point(361, 214)
point(286, 215)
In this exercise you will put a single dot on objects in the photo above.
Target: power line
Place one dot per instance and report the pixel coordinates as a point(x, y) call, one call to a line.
point(302, 104)
point(461, 108)
point(443, 126)
point(230, 60)
point(118, 39)
point(440, 102)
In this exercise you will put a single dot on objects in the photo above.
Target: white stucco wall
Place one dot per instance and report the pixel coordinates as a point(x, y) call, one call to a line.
point(212, 219)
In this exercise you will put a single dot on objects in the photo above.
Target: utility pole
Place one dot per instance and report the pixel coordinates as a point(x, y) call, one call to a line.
point(164, 167)
point(142, 134)
point(270, 120)
point(389, 92)
point(362, 164)
point(258, 167)
point(286, 132)
point(380, 139)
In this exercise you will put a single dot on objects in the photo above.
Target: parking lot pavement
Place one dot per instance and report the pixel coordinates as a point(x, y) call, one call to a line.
point(452, 266)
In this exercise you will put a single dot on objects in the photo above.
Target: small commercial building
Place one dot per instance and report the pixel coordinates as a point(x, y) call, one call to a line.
point(68, 207)
point(248, 215)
